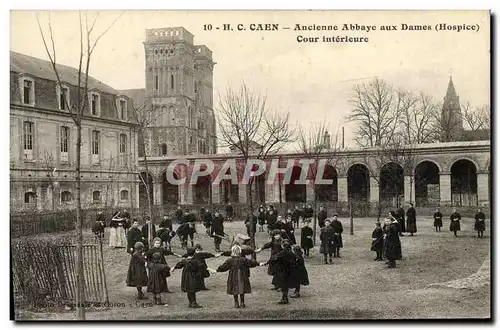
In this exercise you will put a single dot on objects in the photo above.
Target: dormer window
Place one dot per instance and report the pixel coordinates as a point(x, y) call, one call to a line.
point(95, 104)
point(122, 109)
point(27, 86)
point(63, 97)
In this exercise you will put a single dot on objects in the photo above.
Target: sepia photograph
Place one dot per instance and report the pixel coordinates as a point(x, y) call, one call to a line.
point(203, 165)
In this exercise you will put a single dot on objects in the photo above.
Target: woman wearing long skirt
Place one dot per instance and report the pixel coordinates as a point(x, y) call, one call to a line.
point(455, 222)
point(479, 224)
point(438, 220)
point(117, 238)
point(238, 279)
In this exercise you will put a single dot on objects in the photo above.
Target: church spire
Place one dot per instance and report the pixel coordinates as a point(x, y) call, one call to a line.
point(451, 94)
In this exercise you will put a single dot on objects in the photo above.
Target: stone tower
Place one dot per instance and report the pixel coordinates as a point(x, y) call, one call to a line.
point(179, 86)
point(451, 116)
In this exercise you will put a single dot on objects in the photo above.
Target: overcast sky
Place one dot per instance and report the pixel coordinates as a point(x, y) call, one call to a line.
point(313, 81)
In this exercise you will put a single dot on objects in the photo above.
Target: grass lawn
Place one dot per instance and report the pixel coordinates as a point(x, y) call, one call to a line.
point(354, 287)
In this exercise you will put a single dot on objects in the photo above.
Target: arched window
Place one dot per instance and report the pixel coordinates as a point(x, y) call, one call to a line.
point(124, 195)
point(96, 196)
point(66, 197)
point(29, 197)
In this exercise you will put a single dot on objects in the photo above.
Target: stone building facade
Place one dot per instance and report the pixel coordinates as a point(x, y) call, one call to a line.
point(43, 138)
point(445, 174)
point(179, 88)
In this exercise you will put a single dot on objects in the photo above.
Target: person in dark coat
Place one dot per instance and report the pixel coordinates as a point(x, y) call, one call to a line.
point(455, 222)
point(217, 230)
point(309, 212)
point(275, 246)
point(322, 215)
point(201, 255)
point(400, 216)
point(283, 263)
point(192, 277)
point(289, 230)
point(137, 276)
point(296, 217)
point(299, 272)
point(165, 235)
point(327, 242)
point(479, 224)
point(271, 219)
point(166, 222)
point(179, 215)
point(411, 219)
point(377, 241)
point(186, 217)
point(229, 212)
point(207, 221)
point(337, 236)
point(99, 225)
point(392, 243)
point(145, 232)
point(157, 248)
point(158, 271)
point(134, 235)
point(185, 231)
point(438, 220)
point(306, 241)
point(126, 220)
point(394, 216)
point(238, 279)
point(278, 225)
point(262, 218)
point(251, 224)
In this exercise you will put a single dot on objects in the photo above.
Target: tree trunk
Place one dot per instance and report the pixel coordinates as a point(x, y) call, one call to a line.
point(80, 281)
point(150, 200)
point(314, 213)
point(252, 233)
point(351, 230)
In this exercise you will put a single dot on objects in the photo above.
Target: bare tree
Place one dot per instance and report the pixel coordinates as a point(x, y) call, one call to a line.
point(87, 47)
point(316, 144)
point(417, 118)
point(145, 116)
point(476, 119)
point(376, 110)
point(247, 125)
point(48, 163)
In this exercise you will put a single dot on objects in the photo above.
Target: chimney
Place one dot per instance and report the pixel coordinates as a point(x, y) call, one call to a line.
point(326, 140)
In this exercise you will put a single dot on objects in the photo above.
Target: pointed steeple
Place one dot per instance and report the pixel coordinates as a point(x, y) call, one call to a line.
point(451, 94)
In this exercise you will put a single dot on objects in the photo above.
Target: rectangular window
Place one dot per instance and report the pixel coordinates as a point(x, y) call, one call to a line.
point(123, 109)
point(28, 140)
point(172, 81)
point(64, 133)
point(95, 104)
point(123, 143)
point(156, 82)
point(27, 86)
point(63, 97)
point(96, 136)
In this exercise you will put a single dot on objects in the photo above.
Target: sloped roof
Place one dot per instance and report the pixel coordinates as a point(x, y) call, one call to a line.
point(450, 91)
point(138, 95)
point(37, 67)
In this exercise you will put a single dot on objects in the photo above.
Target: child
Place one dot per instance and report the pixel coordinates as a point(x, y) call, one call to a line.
point(184, 231)
point(200, 255)
point(299, 272)
point(377, 241)
point(238, 279)
point(157, 282)
point(157, 248)
point(192, 277)
point(98, 227)
point(455, 222)
point(137, 276)
point(284, 263)
point(480, 224)
point(306, 241)
point(438, 220)
point(275, 246)
point(134, 235)
point(289, 230)
point(327, 242)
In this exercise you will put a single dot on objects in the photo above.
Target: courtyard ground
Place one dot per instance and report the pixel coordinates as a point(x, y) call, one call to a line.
point(441, 276)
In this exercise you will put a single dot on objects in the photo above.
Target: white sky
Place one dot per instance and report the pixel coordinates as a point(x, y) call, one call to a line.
point(312, 81)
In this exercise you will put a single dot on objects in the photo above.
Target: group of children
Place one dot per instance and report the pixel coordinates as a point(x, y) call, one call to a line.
point(148, 268)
